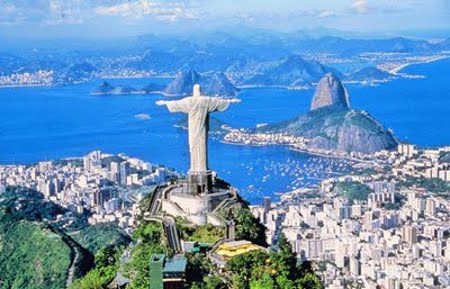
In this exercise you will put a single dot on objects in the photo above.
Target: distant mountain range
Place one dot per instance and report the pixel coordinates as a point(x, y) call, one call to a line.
point(246, 58)
point(332, 124)
point(215, 84)
point(346, 47)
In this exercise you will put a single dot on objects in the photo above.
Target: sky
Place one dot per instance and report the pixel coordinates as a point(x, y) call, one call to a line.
point(110, 18)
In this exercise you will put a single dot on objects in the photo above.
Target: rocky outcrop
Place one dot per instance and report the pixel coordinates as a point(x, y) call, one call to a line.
point(330, 93)
point(332, 125)
point(107, 89)
point(216, 84)
point(290, 71)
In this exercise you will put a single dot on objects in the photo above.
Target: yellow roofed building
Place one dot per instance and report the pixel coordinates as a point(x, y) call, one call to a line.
point(231, 249)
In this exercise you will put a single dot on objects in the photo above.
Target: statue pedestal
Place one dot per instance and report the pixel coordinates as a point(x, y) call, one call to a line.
point(200, 183)
point(200, 209)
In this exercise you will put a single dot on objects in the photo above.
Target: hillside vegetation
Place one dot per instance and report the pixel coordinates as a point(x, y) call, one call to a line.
point(96, 237)
point(353, 191)
point(31, 256)
point(36, 251)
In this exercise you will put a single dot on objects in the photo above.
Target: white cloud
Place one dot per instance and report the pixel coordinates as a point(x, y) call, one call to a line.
point(360, 6)
point(164, 11)
point(53, 12)
point(326, 14)
point(66, 12)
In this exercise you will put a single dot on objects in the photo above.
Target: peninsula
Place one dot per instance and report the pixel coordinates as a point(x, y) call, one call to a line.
point(331, 126)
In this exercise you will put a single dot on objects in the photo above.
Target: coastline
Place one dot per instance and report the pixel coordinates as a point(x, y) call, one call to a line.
point(288, 87)
point(398, 69)
point(24, 85)
point(304, 151)
point(139, 92)
point(243, 144)
point(330, 155)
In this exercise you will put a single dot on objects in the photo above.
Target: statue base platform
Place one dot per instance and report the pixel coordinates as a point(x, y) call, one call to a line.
point(199, 208)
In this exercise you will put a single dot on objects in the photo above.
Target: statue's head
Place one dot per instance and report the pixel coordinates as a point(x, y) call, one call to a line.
point(196, 90)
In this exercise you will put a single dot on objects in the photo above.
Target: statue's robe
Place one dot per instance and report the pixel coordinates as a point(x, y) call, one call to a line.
point(198, 110)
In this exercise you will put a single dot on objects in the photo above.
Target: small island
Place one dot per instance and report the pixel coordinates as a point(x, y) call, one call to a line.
point(107, 89)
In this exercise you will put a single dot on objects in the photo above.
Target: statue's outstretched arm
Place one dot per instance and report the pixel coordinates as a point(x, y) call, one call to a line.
point(175, 105)
point(161, 102)
point(221, 104)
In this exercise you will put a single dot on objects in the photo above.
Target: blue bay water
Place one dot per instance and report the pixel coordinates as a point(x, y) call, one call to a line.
point(55, 122)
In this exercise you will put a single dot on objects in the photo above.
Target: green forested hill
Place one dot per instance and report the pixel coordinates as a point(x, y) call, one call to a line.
point(36, 252)
point(31, 256)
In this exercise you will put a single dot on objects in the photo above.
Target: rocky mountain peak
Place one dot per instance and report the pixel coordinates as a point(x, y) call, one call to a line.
point(330, 93)
point(211, 84)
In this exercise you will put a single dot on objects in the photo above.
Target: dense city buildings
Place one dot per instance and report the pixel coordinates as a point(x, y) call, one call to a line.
point(107, 186)
point(391, 230)
point(391, 236)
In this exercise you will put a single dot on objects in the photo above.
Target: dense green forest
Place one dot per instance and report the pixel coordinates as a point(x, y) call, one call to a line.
point(31, 256)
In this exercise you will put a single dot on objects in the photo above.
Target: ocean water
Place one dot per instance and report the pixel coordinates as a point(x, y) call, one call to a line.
point(42, 123)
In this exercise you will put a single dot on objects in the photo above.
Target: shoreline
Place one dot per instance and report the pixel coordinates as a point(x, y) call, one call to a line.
point(288, 87)
point(243, 144)
point(24, 85)
point(292, 148)
point(330, 156)
point(138, 92)
point(399, 68)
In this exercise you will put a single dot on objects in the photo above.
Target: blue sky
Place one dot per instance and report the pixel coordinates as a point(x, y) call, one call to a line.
point(94, 18)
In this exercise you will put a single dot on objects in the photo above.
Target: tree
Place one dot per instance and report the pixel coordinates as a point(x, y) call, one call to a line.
point(266, 282)
point(246, 267)
point(198, 267)
point(149, 233)
point(284, 282)
point(278, 270)
point(213, 282)
point(285, 259)
point(148, 241)
point(311, 281)
point(248, 227)
point(106, 266)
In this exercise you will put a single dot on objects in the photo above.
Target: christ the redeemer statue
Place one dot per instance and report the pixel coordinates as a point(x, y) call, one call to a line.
point(198, 108)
